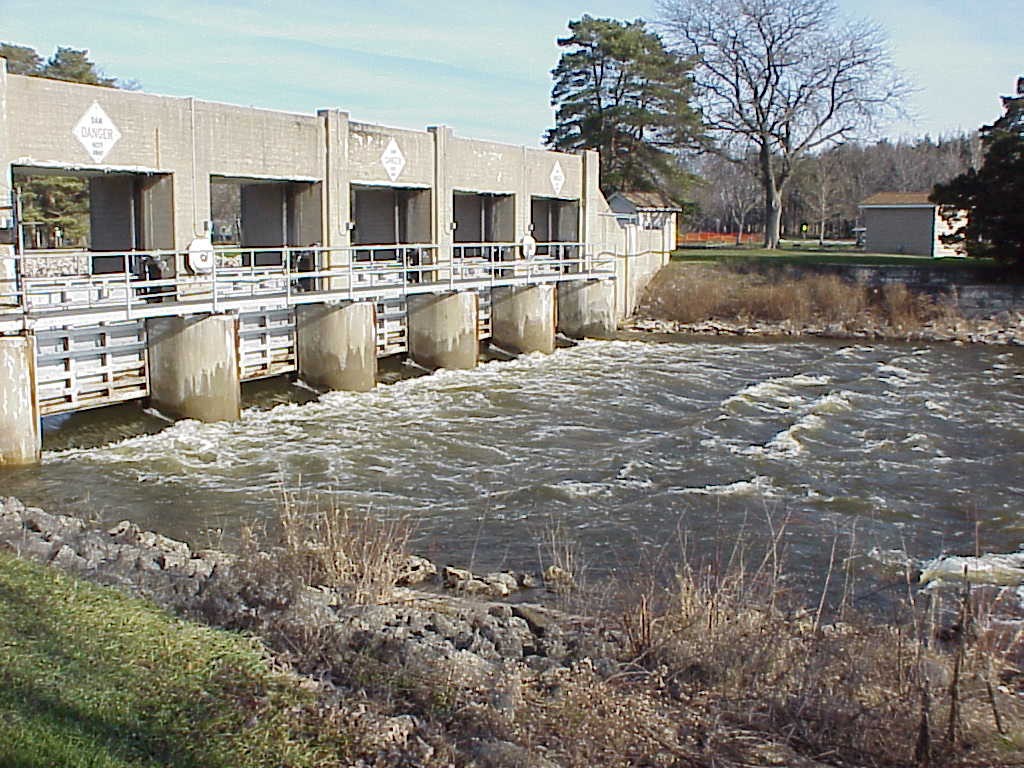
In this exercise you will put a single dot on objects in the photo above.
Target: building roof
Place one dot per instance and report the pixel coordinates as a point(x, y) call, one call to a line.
point(648, 201)
point(898, 199)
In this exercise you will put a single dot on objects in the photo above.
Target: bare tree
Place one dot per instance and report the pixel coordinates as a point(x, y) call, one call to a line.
point(821, 178)
point(728, 191)
point(782, 78)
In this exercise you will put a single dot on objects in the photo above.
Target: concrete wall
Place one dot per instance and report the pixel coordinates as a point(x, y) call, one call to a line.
point(182, 142)
point(977, 291)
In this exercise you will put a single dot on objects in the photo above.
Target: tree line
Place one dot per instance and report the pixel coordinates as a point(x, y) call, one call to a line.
point(827, 186)
point(760, 113)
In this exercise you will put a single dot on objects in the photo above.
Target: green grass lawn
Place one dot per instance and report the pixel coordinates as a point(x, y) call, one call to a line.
point(91, 677)
point(808, 252)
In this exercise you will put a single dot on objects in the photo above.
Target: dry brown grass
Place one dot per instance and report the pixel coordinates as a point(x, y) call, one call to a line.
point(361, 556)
point(854, 692)
point(697, 293)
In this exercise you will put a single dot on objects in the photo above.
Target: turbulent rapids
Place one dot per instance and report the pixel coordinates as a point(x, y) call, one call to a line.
point(633, 449)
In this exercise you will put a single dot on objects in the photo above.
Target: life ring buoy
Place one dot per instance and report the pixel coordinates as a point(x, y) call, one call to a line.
point(199, 258)
point(528, 246)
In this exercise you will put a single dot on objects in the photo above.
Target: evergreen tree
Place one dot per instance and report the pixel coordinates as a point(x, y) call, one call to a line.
point(617, 90)
point(21, 60)
point(992, 196)
point(56, 201)
point(73, 65)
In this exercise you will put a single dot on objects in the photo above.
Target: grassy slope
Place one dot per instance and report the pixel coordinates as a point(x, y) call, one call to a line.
point(90, 677)
point(794, 252)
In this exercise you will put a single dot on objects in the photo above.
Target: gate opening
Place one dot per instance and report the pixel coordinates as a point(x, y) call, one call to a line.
point(85, 210)
point(484, 218)
point(555, 221)
point(384, 216)
point(260, 217)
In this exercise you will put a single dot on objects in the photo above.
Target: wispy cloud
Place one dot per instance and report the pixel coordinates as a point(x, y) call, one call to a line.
point(482, 67)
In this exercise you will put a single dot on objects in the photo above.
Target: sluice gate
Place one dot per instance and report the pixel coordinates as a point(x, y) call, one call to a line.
point(216, 244)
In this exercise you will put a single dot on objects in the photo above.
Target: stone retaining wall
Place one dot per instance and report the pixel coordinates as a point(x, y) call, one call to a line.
point(978, 291)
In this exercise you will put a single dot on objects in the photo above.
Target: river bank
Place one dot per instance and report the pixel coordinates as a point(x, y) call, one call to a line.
point(720, 670)
point(737, 300)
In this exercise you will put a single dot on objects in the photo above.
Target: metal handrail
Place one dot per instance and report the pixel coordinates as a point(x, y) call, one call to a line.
point(53, 283)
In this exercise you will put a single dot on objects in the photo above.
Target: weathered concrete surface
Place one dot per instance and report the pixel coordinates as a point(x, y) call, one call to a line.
point(443, 330)
point(523, 318)
point(337, 345)
point(193, 366)
point(587, 310)
point(19, 415)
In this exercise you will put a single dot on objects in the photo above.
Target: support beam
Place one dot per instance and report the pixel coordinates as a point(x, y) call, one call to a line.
point(523, 319)
point(587, 309)
point(193, 366)
point(443, 330)
point(20, 441)
point(337, 345)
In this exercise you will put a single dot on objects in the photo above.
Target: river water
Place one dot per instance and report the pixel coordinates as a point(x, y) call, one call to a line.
point(635, 450)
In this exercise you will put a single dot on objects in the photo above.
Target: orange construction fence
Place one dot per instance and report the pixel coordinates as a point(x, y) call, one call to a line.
point(717, 238)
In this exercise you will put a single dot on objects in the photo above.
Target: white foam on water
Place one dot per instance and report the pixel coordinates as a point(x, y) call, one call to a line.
point(788, 441)
point(891, 558)
point(580, 490)
point(782, 391)
point(158, 415)
point(1000, 569)
point(759, 485)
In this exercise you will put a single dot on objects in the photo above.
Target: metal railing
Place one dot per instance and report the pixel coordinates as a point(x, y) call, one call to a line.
point(54, 288)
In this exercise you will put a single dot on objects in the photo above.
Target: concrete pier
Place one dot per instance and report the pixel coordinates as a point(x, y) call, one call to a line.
point(20, 441)
point(587, 309)
point(523, 318)
point(443, 330)
point(337, 345)
point(193, 366)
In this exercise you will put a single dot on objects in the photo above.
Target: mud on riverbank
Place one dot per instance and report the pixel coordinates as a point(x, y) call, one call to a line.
point(718, 671)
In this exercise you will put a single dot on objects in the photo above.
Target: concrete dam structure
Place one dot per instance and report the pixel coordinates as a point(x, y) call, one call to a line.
point(227, 244)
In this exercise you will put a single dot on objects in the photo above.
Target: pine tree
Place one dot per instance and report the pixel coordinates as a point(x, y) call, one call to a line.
point(993, 196)
point(56, 201)
point(619, 91)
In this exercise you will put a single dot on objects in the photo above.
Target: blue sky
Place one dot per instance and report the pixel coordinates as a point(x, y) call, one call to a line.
point(481, 67)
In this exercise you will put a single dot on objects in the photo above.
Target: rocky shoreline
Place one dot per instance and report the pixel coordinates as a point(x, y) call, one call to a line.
point(1004, 329)
point(457, 634)
point(465, 676)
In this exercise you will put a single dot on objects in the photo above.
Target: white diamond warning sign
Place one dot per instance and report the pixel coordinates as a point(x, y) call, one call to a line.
point(557, 178)
point(96, 132)
point(393, 160)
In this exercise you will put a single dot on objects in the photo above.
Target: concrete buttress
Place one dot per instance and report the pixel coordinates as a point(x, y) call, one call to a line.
point(193, 366)
point(337, 345)
point(587, 309)
point(523, 318)
point(19, 413)
point(443, 330)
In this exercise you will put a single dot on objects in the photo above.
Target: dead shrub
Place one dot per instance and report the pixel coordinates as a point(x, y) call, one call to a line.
point(740, 294)
point(836, 300)
point(858, 690)
point(361, 556)
point(899, 307)
point(688, 296)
